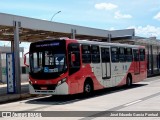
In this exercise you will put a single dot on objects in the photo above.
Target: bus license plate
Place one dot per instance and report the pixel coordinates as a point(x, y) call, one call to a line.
point(43, 88)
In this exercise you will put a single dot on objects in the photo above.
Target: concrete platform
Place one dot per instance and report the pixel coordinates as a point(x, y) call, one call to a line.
point(141, 97)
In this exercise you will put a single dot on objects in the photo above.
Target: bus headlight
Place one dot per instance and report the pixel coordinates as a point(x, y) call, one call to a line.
point(30, 82)
point(62, 81)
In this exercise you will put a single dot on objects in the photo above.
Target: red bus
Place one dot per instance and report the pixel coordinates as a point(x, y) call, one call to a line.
point(67, 66)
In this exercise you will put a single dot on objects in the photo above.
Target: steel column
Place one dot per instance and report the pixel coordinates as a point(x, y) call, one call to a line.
point(109, 37)
point(17, 56)
point(0, 68)
point(12, 46)
point(151, 48)
point(73, 33)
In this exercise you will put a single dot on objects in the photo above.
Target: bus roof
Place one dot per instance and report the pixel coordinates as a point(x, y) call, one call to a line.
point(107, 43)
point(93, 42)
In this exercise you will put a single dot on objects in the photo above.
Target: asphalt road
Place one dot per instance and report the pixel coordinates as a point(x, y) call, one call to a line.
point(141, 97)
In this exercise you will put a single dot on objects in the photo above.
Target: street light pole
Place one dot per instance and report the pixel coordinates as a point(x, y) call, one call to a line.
point(55, 14)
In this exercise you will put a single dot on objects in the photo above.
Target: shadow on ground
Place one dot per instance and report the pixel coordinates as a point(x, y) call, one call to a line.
point(66, 99)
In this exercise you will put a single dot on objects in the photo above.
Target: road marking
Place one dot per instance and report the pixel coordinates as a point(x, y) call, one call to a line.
point(119, 107)
point(134, 102)
point(150, 80)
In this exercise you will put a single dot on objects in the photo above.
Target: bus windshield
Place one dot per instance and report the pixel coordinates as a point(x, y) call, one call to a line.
point(47, 62)
point(47, 59)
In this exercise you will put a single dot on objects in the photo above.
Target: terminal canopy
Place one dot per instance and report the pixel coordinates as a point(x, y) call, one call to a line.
point(31, 30)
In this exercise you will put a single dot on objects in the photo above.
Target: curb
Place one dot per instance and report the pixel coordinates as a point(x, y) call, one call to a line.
point(14, 97)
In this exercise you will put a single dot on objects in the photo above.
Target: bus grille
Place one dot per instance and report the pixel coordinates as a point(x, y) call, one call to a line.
point(46, 87)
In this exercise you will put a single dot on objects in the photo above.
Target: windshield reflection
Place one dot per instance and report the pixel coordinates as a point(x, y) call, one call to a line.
point(47, 62)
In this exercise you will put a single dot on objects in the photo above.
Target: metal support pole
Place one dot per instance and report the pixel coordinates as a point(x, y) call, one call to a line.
point(73, 33)
point(157, 58)
point(0, 68)
point(151, 47)
point(12, 46)
point(148, 59)
point(109, 37)
point(22, 54)
point(133, 35)
point(17, 56)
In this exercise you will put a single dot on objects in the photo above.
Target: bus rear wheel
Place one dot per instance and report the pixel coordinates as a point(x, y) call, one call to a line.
point(128, 81)
point(88, 88)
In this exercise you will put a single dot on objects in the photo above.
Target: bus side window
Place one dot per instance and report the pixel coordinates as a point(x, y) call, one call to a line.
point(128, 54)
point(73, 49)
point(86, 53)
point(135, 55)
point(95, 54)
point(142, 54)
point(114, 54)
point(121, 55)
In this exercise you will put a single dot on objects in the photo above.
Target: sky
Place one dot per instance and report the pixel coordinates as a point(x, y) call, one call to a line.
point(142, 15)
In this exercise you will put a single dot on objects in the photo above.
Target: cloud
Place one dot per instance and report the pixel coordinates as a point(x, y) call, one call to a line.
point(157, 17)
point(119, 15)
point(147, 31)
point(112, 28)
point(105, 6)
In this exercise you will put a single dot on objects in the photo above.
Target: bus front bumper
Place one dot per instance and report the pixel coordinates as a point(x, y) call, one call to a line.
point(61, 89)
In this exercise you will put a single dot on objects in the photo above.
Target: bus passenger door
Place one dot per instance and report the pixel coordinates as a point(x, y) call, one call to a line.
point(136, 61)
point(74, 67)
point(106, 66)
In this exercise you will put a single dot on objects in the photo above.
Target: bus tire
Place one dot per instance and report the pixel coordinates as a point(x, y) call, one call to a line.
point(88, 88)
point(129, 81)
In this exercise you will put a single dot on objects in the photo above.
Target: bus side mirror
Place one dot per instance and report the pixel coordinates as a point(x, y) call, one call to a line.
point(26, 63)
point(73, 57)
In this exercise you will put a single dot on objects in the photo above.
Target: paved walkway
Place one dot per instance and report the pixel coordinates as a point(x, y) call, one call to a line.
point(5, 97)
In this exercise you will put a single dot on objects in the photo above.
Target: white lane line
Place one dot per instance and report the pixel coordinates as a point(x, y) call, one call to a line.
point(134, 102)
